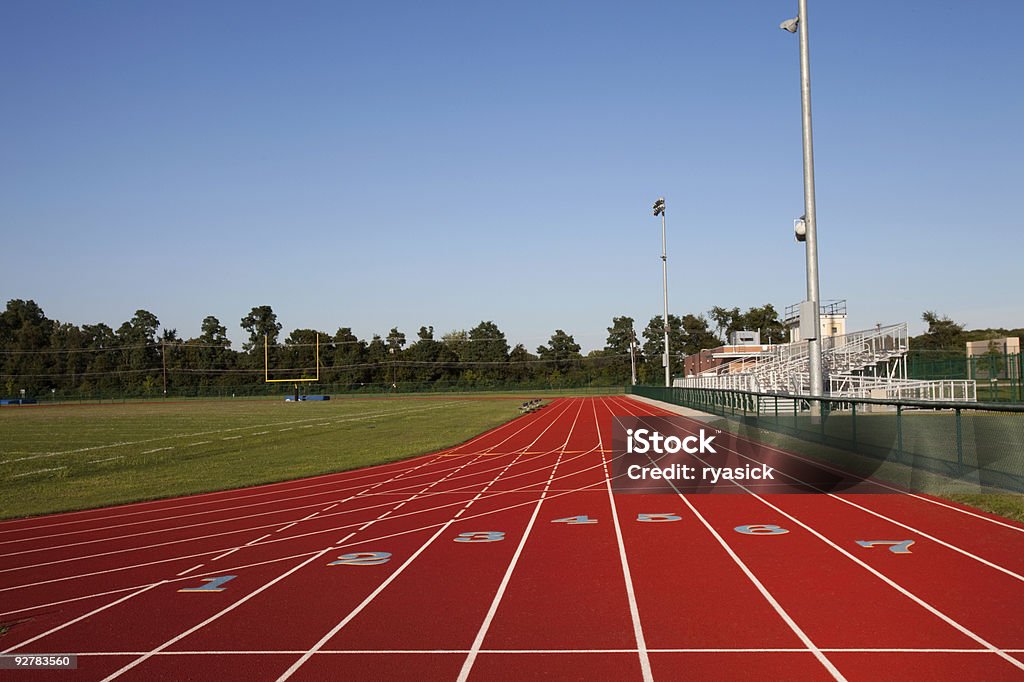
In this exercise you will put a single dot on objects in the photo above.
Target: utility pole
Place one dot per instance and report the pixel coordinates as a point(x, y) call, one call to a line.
point(659, 209)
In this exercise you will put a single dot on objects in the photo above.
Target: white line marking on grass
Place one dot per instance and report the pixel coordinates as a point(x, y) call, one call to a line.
point(202, 442)
point(231, 438)
point(376, 415)
point(38, 471)
point(150, 452)
point(266, 490)
point(108, 459)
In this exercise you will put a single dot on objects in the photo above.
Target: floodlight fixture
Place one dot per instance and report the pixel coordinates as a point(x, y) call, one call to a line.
point(659, 206)
point(800, 228)
point(790, 25)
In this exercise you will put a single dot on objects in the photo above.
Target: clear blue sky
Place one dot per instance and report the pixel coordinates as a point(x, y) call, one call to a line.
point(373, 164)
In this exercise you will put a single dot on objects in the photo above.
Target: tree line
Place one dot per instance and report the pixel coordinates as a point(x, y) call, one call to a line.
point(44, 356)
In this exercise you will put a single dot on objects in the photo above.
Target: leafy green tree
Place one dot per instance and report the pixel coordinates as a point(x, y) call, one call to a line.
point(348, 358)
point(727, 320)
point(299, 355)
point(431, 361)
point(458, 342)
point(562, 352)
point(24, 332)
point(488, 350)
point(377, 358)
point(260, 322)
point(766, 321)
point(522, 365)
point(654, 342)
point(943, 333)
point(139, 354)
point(395, 340)
point(696, 335)
point(617, 367)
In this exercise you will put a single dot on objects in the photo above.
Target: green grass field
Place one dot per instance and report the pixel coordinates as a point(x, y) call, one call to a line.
point(61, 458)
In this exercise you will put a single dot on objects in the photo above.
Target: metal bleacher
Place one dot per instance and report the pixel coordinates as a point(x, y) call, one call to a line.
point(864, 364)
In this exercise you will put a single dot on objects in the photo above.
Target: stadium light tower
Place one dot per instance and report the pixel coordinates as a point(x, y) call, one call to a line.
point(799, 24)
point(659, 210)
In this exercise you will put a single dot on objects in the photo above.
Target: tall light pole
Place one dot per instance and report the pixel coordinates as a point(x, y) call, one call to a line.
point(799, 24)
point(659, 210)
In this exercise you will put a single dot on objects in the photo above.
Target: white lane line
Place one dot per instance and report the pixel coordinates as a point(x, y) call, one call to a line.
point(478, 641)
point(358, 609)
point(769, 597)
point(634, 610)
point(215, 616)
point(385, 652)
point(891, 520)
point(189, 570)
point(294, 537)
point(313, 557)
point(940, 503)
point(253, 542)
point(401, 474)
point(83, 617)
point(881, 484)
point(888, 581)
point(879, 515)
point(68, 601)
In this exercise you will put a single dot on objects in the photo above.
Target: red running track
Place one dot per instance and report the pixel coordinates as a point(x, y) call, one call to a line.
point(509, 557)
